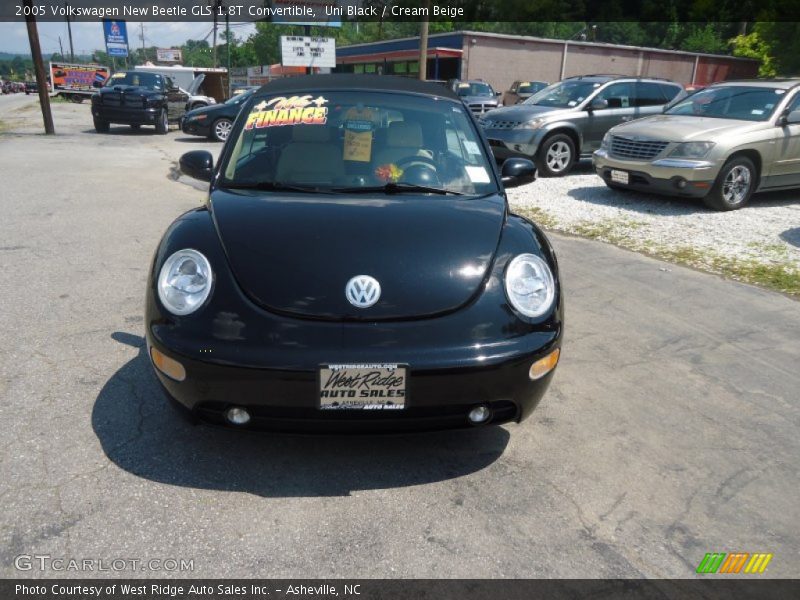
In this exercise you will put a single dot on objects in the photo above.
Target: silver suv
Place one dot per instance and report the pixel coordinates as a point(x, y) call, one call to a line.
point(720, 144)
point(569, 119)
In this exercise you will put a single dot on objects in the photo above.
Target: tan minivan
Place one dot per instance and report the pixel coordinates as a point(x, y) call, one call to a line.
point(721, 144)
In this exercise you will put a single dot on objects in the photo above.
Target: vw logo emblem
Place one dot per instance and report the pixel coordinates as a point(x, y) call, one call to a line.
point(362, 291)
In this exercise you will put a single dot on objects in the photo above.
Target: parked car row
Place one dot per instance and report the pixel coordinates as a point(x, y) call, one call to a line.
point(721, 144)
point(12, 87)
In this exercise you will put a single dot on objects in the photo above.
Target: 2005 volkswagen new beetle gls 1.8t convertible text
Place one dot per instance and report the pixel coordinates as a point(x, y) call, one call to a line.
point(355, 268)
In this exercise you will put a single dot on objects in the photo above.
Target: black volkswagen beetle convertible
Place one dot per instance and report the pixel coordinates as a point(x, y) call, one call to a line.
point(355, 267)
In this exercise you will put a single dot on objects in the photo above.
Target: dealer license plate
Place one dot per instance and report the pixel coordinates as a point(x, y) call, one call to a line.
point(362, 387)
point(619, 176)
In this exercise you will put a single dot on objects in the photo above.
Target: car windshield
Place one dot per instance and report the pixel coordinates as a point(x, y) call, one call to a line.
point(239, 98)
point(564, 94)
point(474, 89)
point(146, 80)
point(351, 142)
point(530, 88)
point(744, 103)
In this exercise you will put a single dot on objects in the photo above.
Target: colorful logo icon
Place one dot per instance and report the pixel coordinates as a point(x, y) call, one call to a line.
point(734, 562)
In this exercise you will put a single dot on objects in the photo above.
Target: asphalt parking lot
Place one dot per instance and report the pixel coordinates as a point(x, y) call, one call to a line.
point(670, 429)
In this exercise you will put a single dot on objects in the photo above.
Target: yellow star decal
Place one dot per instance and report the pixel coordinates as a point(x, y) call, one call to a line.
point(261, 105)
point(319, 101)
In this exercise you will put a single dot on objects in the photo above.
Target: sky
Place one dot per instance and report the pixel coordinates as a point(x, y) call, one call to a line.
point(87, 37)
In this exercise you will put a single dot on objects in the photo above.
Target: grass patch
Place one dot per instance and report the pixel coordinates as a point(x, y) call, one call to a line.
point(780, 273)
point(781, 276)
point(537, 215)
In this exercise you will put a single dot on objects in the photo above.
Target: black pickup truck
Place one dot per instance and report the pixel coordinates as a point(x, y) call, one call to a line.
point(135, 98)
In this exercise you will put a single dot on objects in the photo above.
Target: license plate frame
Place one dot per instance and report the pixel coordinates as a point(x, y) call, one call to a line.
point(622, 177)
point(362, 386)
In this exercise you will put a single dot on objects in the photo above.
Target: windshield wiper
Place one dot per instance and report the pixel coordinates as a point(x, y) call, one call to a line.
point(396, 188)
point(274, 186)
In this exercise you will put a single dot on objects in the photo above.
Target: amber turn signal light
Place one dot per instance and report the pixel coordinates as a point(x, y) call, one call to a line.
point(169, 367)
point(544, 365)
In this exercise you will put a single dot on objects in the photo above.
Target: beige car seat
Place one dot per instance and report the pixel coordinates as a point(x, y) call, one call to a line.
point(310, 157)
point(402, 140)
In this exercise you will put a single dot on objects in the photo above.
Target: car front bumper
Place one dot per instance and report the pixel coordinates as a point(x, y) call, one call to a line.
point(511, 143)
point(671, 177)
point(126, 115)
point(288, 400)
point(191, 127)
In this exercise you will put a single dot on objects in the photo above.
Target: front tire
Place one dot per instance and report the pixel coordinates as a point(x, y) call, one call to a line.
point(221, 129)
point(162, 125)
point(556, 155)
point(101, 126)
point(734, 185)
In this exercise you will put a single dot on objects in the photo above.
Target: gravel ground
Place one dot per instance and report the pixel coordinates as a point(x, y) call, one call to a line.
point(766, 232)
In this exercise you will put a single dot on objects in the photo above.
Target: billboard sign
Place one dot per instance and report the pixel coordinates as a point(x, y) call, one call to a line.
point(116, 36)
point(72, 78)
point(305, 51)
point(168, 55)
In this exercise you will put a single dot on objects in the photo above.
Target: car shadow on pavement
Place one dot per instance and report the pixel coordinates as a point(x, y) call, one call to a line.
point(125, 130)
point(669, 206)
point(193, 139)
point(791, 236)
point(141, 433)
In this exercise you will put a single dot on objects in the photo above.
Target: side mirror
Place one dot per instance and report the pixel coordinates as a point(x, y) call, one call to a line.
point(517, 171)
point(198, 164)
point(790, 118)
point(498, 93)
point(598, 104)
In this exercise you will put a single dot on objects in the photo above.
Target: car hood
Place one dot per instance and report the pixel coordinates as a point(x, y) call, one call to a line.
point(481, 99)
point(295, 253)
point(203, 110)
point(525, 112)
point(195, 85)
point(683, 128)
point(128, 91)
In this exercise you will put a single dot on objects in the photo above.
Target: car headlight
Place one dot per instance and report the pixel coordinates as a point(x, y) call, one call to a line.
point(529, 284)
point(606, 143)
point(532, 124)
point(184, 282)
point(692, 150)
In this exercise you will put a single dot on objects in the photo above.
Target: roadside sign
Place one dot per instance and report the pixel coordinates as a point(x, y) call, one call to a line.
point(305, 51)
point(168, 55)
point(116, 36)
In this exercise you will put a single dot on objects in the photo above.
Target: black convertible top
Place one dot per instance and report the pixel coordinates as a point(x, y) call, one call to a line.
point(381, 83)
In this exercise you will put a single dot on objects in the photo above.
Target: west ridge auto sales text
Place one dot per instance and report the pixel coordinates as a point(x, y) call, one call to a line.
point(172, 590)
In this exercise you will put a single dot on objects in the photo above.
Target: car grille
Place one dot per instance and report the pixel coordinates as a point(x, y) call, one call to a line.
point(622, 147)
point(478, 108)
point(497, 124)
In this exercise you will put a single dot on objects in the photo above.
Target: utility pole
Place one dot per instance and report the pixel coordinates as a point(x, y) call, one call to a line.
point(307, 33)
point(141, 35)
point(228, 45)
point(423, 44)
point(69, 29)
point(38, 65)
point(60, 45)
point(214, 46)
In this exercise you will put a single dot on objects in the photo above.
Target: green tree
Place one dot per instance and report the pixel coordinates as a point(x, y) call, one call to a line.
point(753, 45)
